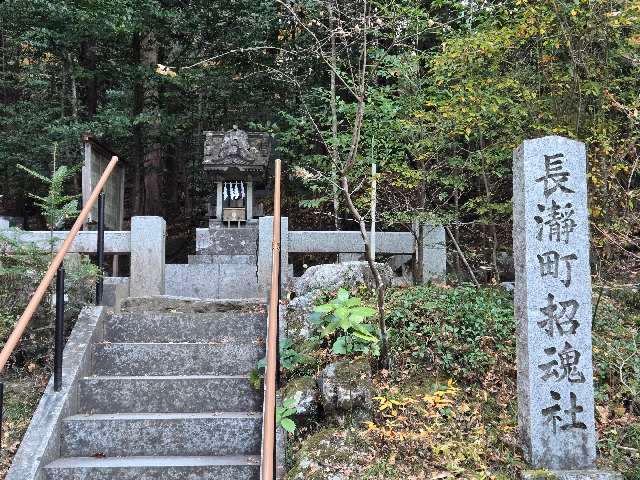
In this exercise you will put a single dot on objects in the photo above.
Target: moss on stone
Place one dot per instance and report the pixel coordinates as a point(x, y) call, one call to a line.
point(326, 448)
point(540, 475)
point(301, 384)
point(353, 372)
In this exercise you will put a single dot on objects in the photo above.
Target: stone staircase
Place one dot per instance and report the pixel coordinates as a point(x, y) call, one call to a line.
point(169, 396)
point(224, 266)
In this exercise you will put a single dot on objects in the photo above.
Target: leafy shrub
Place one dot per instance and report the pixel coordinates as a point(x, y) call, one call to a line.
point(341, 323)
point(459, 332)
point(22, 266)
point(285, 413)
point(290, 359)
point(616, 347)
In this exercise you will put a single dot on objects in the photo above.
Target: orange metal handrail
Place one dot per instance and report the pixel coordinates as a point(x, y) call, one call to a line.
point(25, 318)
point(269, 415)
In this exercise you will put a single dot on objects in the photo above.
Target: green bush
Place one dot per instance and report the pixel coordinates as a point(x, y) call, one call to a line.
point(616, 351)
point(341, 323)
point(22, 266)
point(459, 332)
point(289, 360)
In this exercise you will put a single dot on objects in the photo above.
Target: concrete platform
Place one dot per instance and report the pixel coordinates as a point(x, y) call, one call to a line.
point(168, 394)
point(177, 327)
point(571, 475)
point(133, 359)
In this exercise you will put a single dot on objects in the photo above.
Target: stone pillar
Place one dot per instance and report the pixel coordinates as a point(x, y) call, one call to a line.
point(219, 201)
point(249, 200)
point(147, 256)
point(265, 240)
point(4, 223)
point(350, 257)
point(434, 253)
point(553, 307)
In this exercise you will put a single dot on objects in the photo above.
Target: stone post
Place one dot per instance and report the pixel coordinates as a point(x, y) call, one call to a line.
point(434, 253)
point(219, 201)
point(4, 223)
point(350, 257)
point(265, 240)
point(147, 256)
point(249, 200)
point(553, 308)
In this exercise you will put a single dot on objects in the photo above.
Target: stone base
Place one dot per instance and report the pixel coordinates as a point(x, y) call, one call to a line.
point(227, 241)
point(211, 280)
point(571, 475)
point(234, 259)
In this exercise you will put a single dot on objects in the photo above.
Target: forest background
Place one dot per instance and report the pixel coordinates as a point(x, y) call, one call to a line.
point(451, 88)
point(436, 93)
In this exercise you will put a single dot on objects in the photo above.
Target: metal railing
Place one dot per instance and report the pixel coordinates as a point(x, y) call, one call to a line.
point(268, 464)
point(56, 269)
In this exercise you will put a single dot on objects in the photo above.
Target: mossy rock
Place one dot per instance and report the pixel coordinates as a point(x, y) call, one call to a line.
point(325, 455)
point(346, 389)
point(305, 391)
point(299, 328)
point(346, 275)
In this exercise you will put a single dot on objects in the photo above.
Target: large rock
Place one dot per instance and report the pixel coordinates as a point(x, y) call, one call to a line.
point(328, 455)
point(305, 392)
point(346, 275)
point(297, 313)
point(346, 389)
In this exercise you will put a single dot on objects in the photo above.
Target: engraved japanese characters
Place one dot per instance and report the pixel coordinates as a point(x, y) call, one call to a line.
point(553, 304)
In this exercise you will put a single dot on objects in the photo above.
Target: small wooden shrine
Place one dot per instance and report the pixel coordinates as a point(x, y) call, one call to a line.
point(240, 162)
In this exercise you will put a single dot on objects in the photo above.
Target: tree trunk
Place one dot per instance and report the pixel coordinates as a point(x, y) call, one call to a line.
point(88, 59)
point(153, 150)
point(380, 287)
point(456, 199)
point(493, 231)
point(73, 94)
point(138, 132)
point(334, 123)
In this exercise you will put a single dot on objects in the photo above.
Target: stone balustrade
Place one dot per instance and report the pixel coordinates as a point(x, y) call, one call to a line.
point(145, 243)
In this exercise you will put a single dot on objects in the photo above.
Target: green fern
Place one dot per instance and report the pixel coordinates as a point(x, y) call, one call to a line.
point(56, 206)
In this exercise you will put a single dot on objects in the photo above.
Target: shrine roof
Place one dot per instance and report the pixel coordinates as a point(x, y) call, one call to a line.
point(237, 149)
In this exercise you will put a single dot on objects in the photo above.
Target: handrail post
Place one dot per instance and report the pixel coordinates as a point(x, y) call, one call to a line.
point(100, 250)
point(59, 331)
point(268, 468)
point(1, 410)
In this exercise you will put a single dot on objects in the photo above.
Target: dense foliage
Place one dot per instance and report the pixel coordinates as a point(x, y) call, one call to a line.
point(436, 93)
point(450, 88)
point(456, 332)
point(447, 408)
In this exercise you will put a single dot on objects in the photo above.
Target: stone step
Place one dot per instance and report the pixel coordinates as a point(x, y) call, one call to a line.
point(181, 327)
point(229, 259)
point(172, 304)
point(155, 468)
point(155, 434)
point(148, 359)
point(184, 394)
point(211, 280)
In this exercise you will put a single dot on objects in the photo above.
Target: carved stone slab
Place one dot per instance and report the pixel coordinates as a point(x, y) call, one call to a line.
point(553, 304)
point(237, 149)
